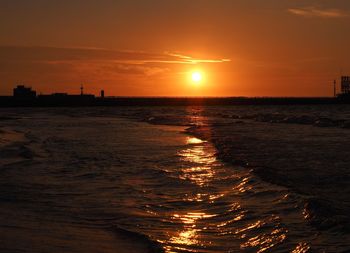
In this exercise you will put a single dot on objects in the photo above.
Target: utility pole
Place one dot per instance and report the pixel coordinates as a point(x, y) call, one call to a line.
point(335, 88)
point(81, 90)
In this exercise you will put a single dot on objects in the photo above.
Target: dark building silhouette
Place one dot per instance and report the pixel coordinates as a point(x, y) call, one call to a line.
point(25, 96)
point(64, 99)
point(58, 94)
point(22, 92)
point(345, 85)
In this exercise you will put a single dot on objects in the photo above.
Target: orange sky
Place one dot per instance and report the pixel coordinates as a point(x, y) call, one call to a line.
point(150, 47)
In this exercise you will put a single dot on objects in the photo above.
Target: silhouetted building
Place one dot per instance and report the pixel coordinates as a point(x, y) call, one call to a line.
point(345, 85)
point(22, 92)
point(102, 94)
point(58, 94)
point(64, 99)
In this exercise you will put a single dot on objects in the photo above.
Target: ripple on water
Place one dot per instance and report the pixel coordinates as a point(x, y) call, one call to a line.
point(170, 187)
point(215, 215)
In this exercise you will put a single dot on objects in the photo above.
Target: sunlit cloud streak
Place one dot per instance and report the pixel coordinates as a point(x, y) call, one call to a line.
point(59, 55)
point(312, 11)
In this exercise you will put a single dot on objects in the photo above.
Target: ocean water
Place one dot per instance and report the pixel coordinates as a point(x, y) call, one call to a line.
point(175, 179)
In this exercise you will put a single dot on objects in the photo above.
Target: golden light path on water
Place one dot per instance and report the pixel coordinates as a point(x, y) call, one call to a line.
point(202, 168)
point(199, 155)
point(203, 164)
point(201, 174)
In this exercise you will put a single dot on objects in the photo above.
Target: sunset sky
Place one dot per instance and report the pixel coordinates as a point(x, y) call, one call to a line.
point(152, 47)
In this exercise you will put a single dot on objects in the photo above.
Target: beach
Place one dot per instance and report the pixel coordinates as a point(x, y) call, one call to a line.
point(175, 179)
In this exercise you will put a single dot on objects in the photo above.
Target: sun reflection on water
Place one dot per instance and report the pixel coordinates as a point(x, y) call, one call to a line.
point(302, 248)
point(200, 161)
point(266, 241)
point(190, 234)
point(187, 237)
point(200, 167)
point(243, 186)
point(194, 140)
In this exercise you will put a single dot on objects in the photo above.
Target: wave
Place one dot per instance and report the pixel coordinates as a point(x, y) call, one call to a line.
point(324, 191)
point(324, 215)
point(273, 159)
point(137, 239)
point(300, 119)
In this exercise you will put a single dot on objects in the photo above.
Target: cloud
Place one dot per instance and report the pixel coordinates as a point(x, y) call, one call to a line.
point(189, 60)
point(52, 54)
point(318, 12)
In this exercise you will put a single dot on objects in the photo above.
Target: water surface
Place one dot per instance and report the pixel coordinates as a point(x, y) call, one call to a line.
point(79, 179)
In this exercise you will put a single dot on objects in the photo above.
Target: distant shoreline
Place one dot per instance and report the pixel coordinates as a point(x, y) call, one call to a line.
point(77, 101)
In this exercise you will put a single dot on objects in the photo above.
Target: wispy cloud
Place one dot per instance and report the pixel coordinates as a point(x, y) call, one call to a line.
point(190, 60)
point(312, 11)
point(52, 54)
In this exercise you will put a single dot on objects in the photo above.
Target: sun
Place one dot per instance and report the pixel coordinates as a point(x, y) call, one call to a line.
point(197, 77)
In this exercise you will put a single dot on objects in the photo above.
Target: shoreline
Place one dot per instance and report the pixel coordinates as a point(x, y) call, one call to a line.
point(77, 101)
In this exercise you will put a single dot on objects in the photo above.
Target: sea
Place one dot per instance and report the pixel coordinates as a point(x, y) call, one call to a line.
point(175, 179)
